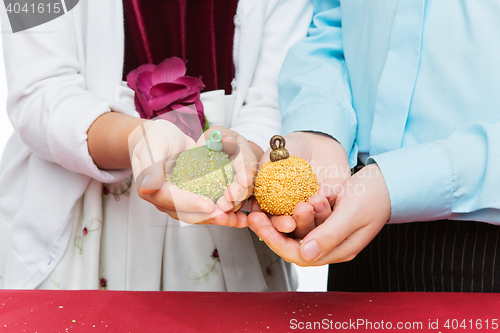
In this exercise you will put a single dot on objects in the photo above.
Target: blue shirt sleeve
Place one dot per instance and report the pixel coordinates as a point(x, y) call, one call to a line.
point(456, 178)
point(314, 89)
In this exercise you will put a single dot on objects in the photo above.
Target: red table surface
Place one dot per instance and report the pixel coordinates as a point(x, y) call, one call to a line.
point(122, 311)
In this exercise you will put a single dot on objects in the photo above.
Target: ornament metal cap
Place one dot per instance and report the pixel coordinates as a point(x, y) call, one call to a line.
point(279, 151)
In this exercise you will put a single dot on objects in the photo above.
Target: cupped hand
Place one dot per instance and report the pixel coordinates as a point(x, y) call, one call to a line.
point(361, 208)
point(154, 148)
point(328, 160)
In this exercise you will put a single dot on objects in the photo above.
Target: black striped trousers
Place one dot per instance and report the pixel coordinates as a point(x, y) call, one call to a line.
point(455, 256)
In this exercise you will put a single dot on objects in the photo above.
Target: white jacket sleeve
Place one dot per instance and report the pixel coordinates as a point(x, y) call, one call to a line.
point(286, 21)
point(50, 103)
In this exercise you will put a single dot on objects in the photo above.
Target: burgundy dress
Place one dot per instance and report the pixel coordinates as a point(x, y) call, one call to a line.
point(198, 31)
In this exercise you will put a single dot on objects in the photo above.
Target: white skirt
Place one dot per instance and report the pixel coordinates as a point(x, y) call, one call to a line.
point(121, 242)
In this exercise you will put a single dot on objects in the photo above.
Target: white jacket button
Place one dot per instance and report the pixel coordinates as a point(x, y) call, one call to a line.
point(237, 20)
point(233, 84)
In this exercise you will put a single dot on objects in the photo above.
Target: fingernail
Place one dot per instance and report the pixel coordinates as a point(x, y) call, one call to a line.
point(206, 206)
point(319, 208)
point(234, 194)
point(311, 251)
point(214, 221)
point(145, 180)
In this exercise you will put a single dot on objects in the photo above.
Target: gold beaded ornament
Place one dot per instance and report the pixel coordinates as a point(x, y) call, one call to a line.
point(284, 181)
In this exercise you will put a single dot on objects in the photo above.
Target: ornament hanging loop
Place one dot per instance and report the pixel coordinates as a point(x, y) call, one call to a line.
point(279, 151)
point(215, 141)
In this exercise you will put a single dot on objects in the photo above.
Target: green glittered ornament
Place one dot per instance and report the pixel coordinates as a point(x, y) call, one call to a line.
point(205, 170)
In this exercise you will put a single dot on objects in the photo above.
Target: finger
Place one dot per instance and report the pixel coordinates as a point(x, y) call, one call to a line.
point(234, 194)
point(283, 223)
point(232, 220)
point(172, 197)
point(351, 246)
point(225, 206)
point(330, 191)
point(245, 165)
point(364, 213)
point(303, 215)
point(151, 178)
point(135, 161)
point(150, 173)
point(217, 217)
point(322, 209)
point(221, 219)
point(265, 158)
point(242, 219)
point(151, 163)
point(148, 176)
point(230, 206)
point(256, 206)
point(324, 238)
point(238, 206)
point(285, 247)
point(230, 146)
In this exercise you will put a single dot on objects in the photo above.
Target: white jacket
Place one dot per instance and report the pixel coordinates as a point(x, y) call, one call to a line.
point(62, 76)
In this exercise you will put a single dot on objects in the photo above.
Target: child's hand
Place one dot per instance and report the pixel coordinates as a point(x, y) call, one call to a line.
point(154, 147)
point(245, 165)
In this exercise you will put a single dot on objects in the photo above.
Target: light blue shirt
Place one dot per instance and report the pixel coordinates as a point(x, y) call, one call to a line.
point(416, 85)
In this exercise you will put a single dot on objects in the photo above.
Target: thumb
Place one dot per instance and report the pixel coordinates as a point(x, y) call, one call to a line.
point(324, 238)
point(152, 178)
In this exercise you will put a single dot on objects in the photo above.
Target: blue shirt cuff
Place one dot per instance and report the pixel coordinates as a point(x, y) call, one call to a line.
point(420, 182)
